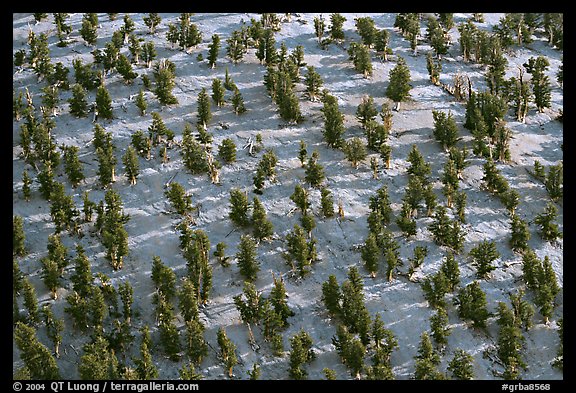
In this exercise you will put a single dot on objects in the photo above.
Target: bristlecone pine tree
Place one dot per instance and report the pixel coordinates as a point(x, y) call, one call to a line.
point(371, 254)
point(336, 31)
point(355, 151)
point(445, 129)
point(548, 230)
point(104, 103)
point(427, 360)
point(314, 170)
point(333, 121)
point(204, 114)
point(439, 327)
point(54, 328)
point(471, 302)
point(510, 343)
point(227, 150)
point(18, 236)
point(301, 251)
point(326, 202)
point(246, 256)
point(180, 200)
point(114, 236)
point(131, 165)
point(399, 87)
point(483, 255)
point(238, 102)
point(262, 226)
point(301, 353)
point(239, 208)
point(519, 234)
point(313, 83)
point(72, 165)
point(227, 351)
point(540, 81)
point(461, 366)
point(78, 102)
point(38, 361)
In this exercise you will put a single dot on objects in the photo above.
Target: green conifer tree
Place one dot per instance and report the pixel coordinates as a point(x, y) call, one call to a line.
point(262, 226)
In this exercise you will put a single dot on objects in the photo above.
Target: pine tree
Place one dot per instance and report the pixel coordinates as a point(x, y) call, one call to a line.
point(471, 302)
point(360, 56)
point(355, 151)
point(300, 198)
point(194, 155)
point(366, 29)
point(483, 255)
point(78, 103)
point(218, 92)
point(301, 252)
point(510, 343)
point(331, 296)
point(497, 64)
point(30, 302)
point(427, 360)
point(319, 27)
point(537, 67)
point(145, 367)
point(420, 252)
point(300, 353)
point(439, 327)
point(327, 202)
point(445, 129)
point(461, 366)
point(54, 328)
point(254, 374)
point(188, 373)
point(263, 228)
point(519, 234)
point(386, 154)
point(204, 113)
point(195, 344)
point(18, 236)
point(336, 31)
point(164, 74)
point(124, 68)
point(435, 289)
point(148, 55)
point(131, 165)
point(72, 165)
point(51, 275)
point(239, 208)
point(213, 50)
point(26, 182)
point(434, 68)
point(333, 121)
point(46, 179)
point(38, 361)
point(246, 256)
point(370, 254)
point(227, 150)
point(554, 182)
point(104, 103)
point(314, 171)
point(235, 49)
point(313, 82)
point(238, 102)
point(227, 351)
point(152, 21)
point(278, 300)
point(547, 228)
point(366, 111)
point(381, 43)
point(399, 87)
point(82, 277)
